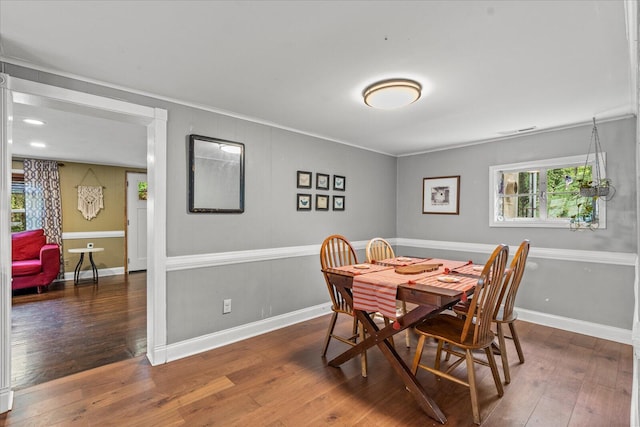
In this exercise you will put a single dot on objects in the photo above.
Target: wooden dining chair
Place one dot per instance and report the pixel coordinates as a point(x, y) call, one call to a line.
point(378, 249)
point(464, 336)
point(336, 251)
point(505, 314)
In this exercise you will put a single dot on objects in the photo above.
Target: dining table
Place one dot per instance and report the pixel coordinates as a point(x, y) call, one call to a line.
point(430, 285)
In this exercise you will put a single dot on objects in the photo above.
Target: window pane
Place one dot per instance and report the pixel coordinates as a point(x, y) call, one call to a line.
point(142, 190)
point(563, 185)
point(521, 197)
point(18, 221)
point(567, 179)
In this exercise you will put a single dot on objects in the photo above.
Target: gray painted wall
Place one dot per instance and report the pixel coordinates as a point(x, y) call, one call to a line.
point(597, 293)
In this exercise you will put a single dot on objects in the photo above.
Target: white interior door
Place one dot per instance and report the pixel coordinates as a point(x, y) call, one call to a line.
point(136, 221)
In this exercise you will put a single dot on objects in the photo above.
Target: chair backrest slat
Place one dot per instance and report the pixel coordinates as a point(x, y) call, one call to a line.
point(485, 297)
point(378, 249)
point(512, 281)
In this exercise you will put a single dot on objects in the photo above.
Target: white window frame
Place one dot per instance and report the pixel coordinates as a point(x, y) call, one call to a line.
point(559, 162)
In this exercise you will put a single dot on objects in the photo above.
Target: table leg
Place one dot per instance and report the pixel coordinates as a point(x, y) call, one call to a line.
point(94, 269)
point(379, 337)
point(76, 273)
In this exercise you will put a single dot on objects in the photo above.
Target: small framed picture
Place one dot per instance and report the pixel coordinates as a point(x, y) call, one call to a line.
point(304, 202)
point(338, 203)
point(322, 202)
point(339, 182)
point(322, 181)
point(304, 179)
point(441, 195)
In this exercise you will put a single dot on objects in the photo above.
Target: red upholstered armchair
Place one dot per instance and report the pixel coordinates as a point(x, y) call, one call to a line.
point(34, 262)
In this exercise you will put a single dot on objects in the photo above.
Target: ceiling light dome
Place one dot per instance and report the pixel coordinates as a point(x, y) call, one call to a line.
point(394, 93)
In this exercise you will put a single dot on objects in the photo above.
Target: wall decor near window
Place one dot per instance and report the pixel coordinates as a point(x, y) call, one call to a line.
point(338, 203)
point(90, 197)
point(304, 202)
point(304, 179)
point(322, 202)
point(216, 175)
point(339, 182)
point(441, 195)
point(322, 181)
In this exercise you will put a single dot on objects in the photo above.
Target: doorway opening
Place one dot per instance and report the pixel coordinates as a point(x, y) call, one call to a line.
point(20, 91)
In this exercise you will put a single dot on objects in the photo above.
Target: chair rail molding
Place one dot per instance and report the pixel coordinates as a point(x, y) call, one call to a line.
point(187, 262)
point(72, 235)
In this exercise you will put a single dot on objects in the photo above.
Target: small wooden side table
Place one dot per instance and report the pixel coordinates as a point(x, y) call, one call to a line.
point(82, 251)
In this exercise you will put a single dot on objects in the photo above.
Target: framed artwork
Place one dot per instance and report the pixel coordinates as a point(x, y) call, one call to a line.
point(322, 181)
point(338, 203)
point(322, 202)
point(441, 195)
point(339, 182)
point(304, 202)
point(304, 179)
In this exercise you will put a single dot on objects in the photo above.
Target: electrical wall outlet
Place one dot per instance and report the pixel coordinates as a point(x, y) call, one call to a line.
point(226, 306)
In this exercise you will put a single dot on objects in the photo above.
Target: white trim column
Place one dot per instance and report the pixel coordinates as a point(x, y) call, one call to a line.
point(6, 395)
point(157, 239)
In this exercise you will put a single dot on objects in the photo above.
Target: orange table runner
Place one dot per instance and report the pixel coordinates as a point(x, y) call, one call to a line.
point(375, 291)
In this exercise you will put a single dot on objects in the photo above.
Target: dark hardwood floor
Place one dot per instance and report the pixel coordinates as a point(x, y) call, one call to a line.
point(70, 329)
point(279, 379)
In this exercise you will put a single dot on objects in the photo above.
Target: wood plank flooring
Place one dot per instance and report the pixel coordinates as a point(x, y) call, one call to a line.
point(279, 379)
point(70, 329)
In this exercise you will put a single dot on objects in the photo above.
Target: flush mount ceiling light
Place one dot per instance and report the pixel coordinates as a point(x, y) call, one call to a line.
point(37, 144)
point(394, 93)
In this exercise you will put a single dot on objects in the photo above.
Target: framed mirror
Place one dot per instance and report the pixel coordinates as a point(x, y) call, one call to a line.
point(216, 175)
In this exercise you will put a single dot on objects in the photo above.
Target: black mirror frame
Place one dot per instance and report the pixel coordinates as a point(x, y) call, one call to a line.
point(193, 209)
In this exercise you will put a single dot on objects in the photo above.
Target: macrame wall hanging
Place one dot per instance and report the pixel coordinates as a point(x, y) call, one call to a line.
point(90, 199)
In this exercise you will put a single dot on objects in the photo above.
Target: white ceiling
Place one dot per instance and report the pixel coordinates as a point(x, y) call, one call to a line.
point(489, 67)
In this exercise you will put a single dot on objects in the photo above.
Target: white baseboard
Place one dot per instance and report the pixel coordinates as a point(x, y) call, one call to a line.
point(218, 339)
point(204, 343)
point(88, 274)
point(578, 326)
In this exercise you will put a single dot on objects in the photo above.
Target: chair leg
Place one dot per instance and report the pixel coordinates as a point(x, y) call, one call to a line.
point(494, 370)
point(418, 356)
point(436, 365)
point(471, 372)
point(447, 356)
point(516, 341)
point(332, 324)
point(363, 357)
point(354, 329)
point(503, 353)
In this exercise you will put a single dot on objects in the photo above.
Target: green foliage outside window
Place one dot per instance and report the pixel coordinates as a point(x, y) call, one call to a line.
point(18, 219)
point(563, 186)
point(142, 190)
